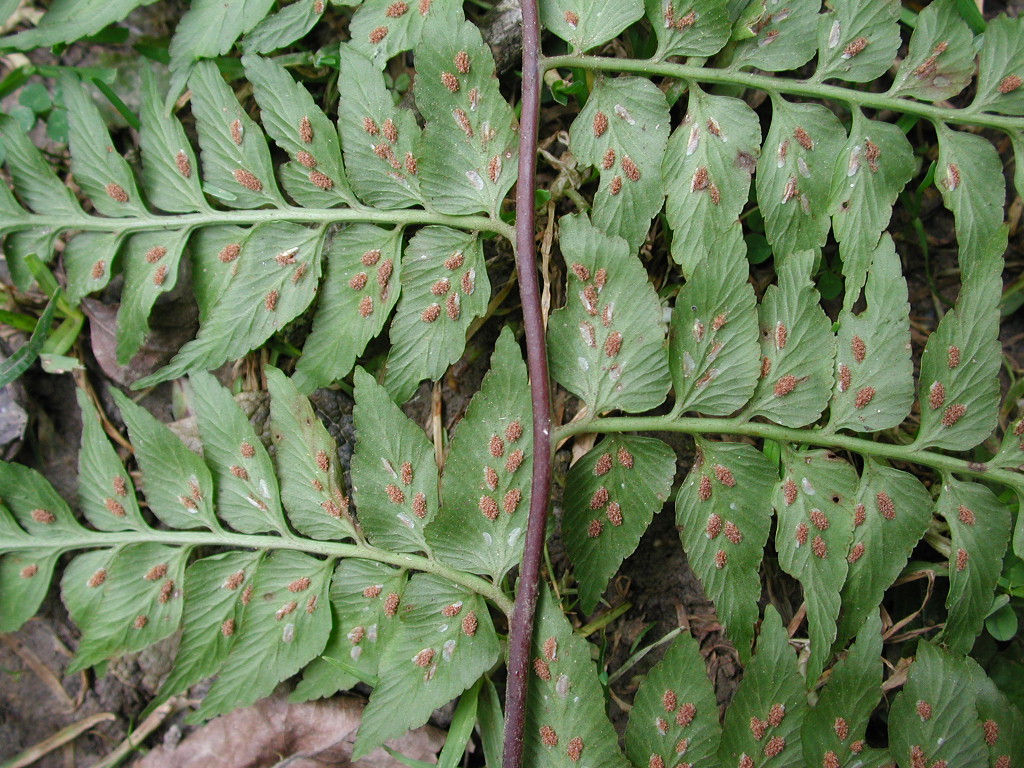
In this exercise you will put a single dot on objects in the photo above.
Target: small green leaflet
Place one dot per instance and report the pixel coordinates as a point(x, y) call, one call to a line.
point(19, 246)
point(611, 496)
point(959, 388)
point(797, 348)
point(394, 477)
point(123, 599)
point(169, 169)
point(833, 731)
point(217, 589)
point(874, 380)
point(237, 169)
point(623, 131)
point(315, 177)
point(382, 28)
point(763, 722)
point(565, 717)
point(782, 37)
point(105, 491)
point(706, 170)
point(1011, 453)
point(361, 287)
point(104, 176)
point(24, 575)
point(979, 526)
point(858, 40)
point(467, 153)
point(34, 181)
point(585, 25)
point(794, 174)
point(688, 27)
point(723, 512)
point(940, 61)
point(69, 20)
point(876, 163)
point(247, 494)
point(444, 641)
point(486, 482)
point(36, 506)
point(284, 625)
point(88, 257)
point(968, 174)
point(210, 27)
point(814, 505)
point(364, 600)
point(1001, 62)
point(378, 137)
point(273, 279)
point(675, 713)
point(150, 264)
point(934, 718)
point(213, 250)
point(284, 27)
point(713, 351)
point(307, 461)
point(177, 484)
point(607, 344)
point(891, 513)
point(444, 288)
point(1001, 722)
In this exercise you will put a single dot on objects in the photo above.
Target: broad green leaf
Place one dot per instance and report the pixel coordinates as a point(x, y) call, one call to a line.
point(607, 344)
point(273, 279)
point(177, 483)
point(869, 173)
point(34, 504)
point(891, 514)
point(307, 464)
point(969, 175)
point(566, 723)
point(363, 281)
point(959, 388)
point(247, 494)
point(315, 177)
point(814, 505)
point(797, 348)
point(443, 642)
point(69, 20)
point(833, 731)
point(19, 246)
point(782, 37)
point(979, 527)
point(170, 172)
point(467, 153)
point(150, 264)
point(934, 718)
point(217, 589)
point(25, 575)
point(940, 62)
point(382, 28)
point(34, 181)
point(364, 600)
point(283, 627)
point(706, 170)
point(689, 28)
point(88, 258)
point(611, 496)
point(237, 169)
point(210, 27)
point(378, 137)
point(723, 512)
point(103, 175)
point(623, 131)
point(123, 599)
point(763, 722)
point(284, 27)
point(444, 288)
point(713, 351)
point(794, 174)
point(858, 40)
point(1000, 67)
point(1001, 722)
point(486, 482)
point(1011, 453)
point(394, 474)
point(675, 713)
point(213, 251)
point(585, 25)
point(105, 490)
point(874, 379)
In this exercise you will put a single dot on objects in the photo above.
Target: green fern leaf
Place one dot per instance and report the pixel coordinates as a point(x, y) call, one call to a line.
point(857, 41)
point(1001, 60)
point(1002, 725)
point(587, 25)
point(213, 251)
point(778, 38)
point(283, 28)
point(34, 181)
point(689, 28)
point(382, 28)
point(68, 20)
point(88, 258)
point(1011, 452)
point(940, 62)
point(210, 27)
